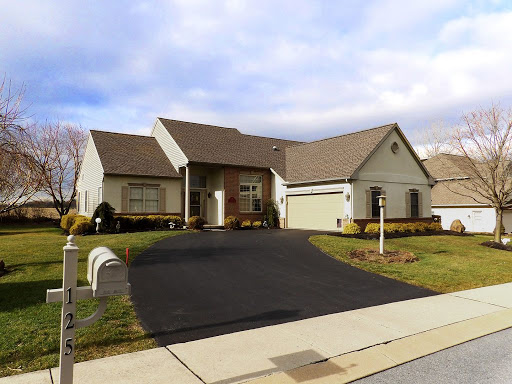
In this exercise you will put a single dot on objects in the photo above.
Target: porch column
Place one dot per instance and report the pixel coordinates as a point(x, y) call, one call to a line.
point(187, 193)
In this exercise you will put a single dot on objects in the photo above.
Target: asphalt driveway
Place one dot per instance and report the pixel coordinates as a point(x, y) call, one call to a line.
point(206, 284)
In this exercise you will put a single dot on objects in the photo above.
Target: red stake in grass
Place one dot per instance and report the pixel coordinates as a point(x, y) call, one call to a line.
point(127, 255)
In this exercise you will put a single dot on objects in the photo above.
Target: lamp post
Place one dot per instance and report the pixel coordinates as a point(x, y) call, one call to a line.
point(382, 204)
point(98, 221)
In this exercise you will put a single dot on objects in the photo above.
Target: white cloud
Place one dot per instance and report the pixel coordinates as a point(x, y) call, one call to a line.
point(294, 67)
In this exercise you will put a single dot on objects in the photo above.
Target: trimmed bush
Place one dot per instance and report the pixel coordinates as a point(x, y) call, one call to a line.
point(372, 228)
point(256, 224)
point(106, 213)
point(67, 221)
point(351, 229)
point(246, 224)
point(231, 222)
point(421, 227)
point(196, 222)
point(81, 225)
point(144, 223)
point(435, 227)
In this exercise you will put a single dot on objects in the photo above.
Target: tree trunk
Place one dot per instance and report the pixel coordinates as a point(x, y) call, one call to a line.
point(499, 220)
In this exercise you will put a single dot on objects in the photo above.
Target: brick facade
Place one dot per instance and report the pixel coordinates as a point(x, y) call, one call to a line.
point(232, 192)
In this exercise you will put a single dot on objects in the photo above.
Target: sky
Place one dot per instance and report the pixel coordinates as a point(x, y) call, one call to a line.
point(297, 69)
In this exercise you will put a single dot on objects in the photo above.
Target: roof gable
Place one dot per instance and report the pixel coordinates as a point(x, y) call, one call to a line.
point(122, 154)
point(333, 158)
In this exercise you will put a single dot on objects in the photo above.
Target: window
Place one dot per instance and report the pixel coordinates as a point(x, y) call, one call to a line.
point(414, 204)
point(375, 204)
point(151, 200)
point(78, 202)
point(250, 193)
point(197, 181)
point(143, 199)
point(86, 201)
point(136, 199)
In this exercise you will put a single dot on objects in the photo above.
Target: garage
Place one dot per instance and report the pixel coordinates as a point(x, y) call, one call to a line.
point(315, 211)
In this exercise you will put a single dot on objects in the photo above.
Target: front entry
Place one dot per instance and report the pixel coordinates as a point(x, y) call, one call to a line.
point(197, 203)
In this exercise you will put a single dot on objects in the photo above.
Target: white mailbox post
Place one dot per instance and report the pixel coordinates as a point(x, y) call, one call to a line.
point(108, 276)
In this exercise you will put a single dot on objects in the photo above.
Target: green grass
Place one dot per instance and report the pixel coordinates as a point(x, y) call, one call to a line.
point(447, 263)
point(30, 328)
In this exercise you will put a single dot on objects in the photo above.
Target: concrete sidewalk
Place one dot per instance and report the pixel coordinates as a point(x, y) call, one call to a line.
point(333, 348)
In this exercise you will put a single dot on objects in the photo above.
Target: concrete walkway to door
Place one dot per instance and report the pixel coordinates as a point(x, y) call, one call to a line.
point(207, 284)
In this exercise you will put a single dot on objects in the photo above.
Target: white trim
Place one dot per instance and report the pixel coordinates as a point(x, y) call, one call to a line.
point(331, 188)
point(317, 181)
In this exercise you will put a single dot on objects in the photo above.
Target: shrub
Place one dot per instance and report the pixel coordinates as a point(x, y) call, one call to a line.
point(196, 222)
point(256, 224)
point(67, 221)
point(351, 229)
point(106, 213)
point(372, 228)
point(141, 223)
point(409, 227)
point(231, 222)
point(81, 225)
point(393, 227)
point(246, 224)
point(272, 213)
point(435, 227)
point(420, 227)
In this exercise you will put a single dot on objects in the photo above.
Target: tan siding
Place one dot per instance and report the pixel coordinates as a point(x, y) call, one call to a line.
point(113, 191)
point(169, 146)
point(90, 179)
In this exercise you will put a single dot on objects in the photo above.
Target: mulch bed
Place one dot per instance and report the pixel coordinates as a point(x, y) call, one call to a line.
point(373, 255)
point(396, 235)
point(495, 245)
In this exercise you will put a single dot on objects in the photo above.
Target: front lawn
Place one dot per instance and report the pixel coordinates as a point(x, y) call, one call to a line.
point(447, 263)
point(30, 328)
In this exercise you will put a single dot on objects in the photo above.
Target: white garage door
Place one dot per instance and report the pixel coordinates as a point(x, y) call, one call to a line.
point(315, 211)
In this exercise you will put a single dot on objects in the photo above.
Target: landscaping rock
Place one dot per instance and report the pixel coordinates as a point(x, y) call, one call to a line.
point(457, 226)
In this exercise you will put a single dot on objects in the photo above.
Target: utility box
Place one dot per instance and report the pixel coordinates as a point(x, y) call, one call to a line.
point(107, 274)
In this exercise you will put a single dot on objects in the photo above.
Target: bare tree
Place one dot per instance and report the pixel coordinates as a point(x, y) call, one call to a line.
point(57, 150)
point(434, 139)
point(485, 141)
point(19, 180)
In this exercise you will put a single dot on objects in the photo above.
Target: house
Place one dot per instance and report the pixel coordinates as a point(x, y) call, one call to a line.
point(193, 169)
point(452, 200)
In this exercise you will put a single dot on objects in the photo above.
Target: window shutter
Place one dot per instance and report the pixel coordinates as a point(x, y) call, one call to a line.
point(162, 199)
point(420, 204)
point(383, 193)
point(407, 204)
point(368, 204)
point(124, 199)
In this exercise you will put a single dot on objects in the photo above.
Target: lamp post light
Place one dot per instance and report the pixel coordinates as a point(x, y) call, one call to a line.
point(98, 221)
point(382, 204)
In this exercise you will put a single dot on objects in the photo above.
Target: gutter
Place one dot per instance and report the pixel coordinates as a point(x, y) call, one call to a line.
point(317, 181)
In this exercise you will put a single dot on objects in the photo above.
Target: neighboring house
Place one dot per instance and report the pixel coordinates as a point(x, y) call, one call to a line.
point(452, 201)
point(216, 172)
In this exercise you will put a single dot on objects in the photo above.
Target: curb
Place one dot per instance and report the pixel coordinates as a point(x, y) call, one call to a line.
point(356, 365)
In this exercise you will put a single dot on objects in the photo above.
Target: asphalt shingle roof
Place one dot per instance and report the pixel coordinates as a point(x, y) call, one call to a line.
point(122, 154)
point(336, 157)
point(458, 190)
point(218, 145)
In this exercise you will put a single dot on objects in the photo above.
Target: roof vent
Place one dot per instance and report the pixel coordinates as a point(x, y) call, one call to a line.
point(274, 148)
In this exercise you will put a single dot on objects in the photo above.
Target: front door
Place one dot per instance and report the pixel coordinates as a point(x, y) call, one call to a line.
point(196, 203)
